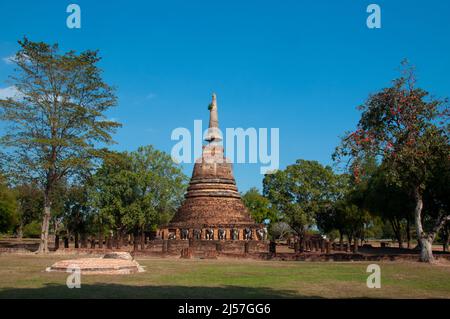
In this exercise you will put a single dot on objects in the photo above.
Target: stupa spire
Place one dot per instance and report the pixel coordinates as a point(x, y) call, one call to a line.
point(213, 134)
point(213, 116)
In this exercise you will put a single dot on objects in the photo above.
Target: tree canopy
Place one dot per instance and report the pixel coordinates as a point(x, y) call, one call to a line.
point(299, 192)
point(137, 191)
point(259, 206)
point(409, 131)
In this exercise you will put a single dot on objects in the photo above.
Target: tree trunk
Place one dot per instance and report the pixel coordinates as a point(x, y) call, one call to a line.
point(142, 240)
point(119, 239)
point(426, 251)
point(355, 249)
point(302, 246)
point(56, 242)
point(136, 241)
point(397, 228)
point(100, 240)
point(408, 233)
point(76, 240)
point(341, 241)
point(446, 236)
point(109, 244)
point(20, 230)
point(349, 243)
point(83, 240)
point(43, 245)
point(296, 246)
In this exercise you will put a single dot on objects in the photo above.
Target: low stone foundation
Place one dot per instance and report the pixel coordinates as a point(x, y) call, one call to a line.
point(113, 263)
point(200, 247)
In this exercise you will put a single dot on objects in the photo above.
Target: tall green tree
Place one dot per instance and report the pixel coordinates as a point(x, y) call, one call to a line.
point(112, 192)
point(408, 130)
point(57, 121)
point(161, 185)
point(259, 206)
point(299, 192)
point(137, 191)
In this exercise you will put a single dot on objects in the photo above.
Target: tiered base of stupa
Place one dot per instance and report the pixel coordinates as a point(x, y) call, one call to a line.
point(212, 220)
point(213, 208)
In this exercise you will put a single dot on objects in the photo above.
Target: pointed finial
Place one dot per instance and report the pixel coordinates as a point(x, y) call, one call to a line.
point(213, 103)
point(213, 121)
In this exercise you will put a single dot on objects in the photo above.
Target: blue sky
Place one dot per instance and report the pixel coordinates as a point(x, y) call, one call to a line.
point(300, 66)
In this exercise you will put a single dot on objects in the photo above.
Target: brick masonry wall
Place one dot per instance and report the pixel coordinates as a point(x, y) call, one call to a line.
point(174, 247)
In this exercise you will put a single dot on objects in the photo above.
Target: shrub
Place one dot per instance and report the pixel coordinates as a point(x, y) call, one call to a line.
point(32, 230)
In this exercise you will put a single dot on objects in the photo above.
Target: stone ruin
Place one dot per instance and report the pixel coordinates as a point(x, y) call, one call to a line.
point(113, 263)
point(213, 210)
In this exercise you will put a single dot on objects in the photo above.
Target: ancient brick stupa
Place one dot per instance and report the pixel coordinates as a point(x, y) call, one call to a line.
point(213, 208)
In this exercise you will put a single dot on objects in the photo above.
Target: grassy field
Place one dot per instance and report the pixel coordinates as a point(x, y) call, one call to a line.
point(23, 276)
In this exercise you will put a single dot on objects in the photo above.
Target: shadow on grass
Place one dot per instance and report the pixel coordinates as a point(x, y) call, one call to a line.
point(125, 291)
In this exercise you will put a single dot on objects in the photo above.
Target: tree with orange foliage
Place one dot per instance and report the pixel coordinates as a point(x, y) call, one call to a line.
point(408, 131)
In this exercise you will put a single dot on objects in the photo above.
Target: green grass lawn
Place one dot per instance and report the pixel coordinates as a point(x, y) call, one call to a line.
point(24, 276)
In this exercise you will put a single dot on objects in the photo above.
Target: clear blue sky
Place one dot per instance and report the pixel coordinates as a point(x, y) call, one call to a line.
point(301, 66)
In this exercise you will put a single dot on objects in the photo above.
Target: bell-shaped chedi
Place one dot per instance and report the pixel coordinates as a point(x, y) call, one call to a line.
point(212, 200)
